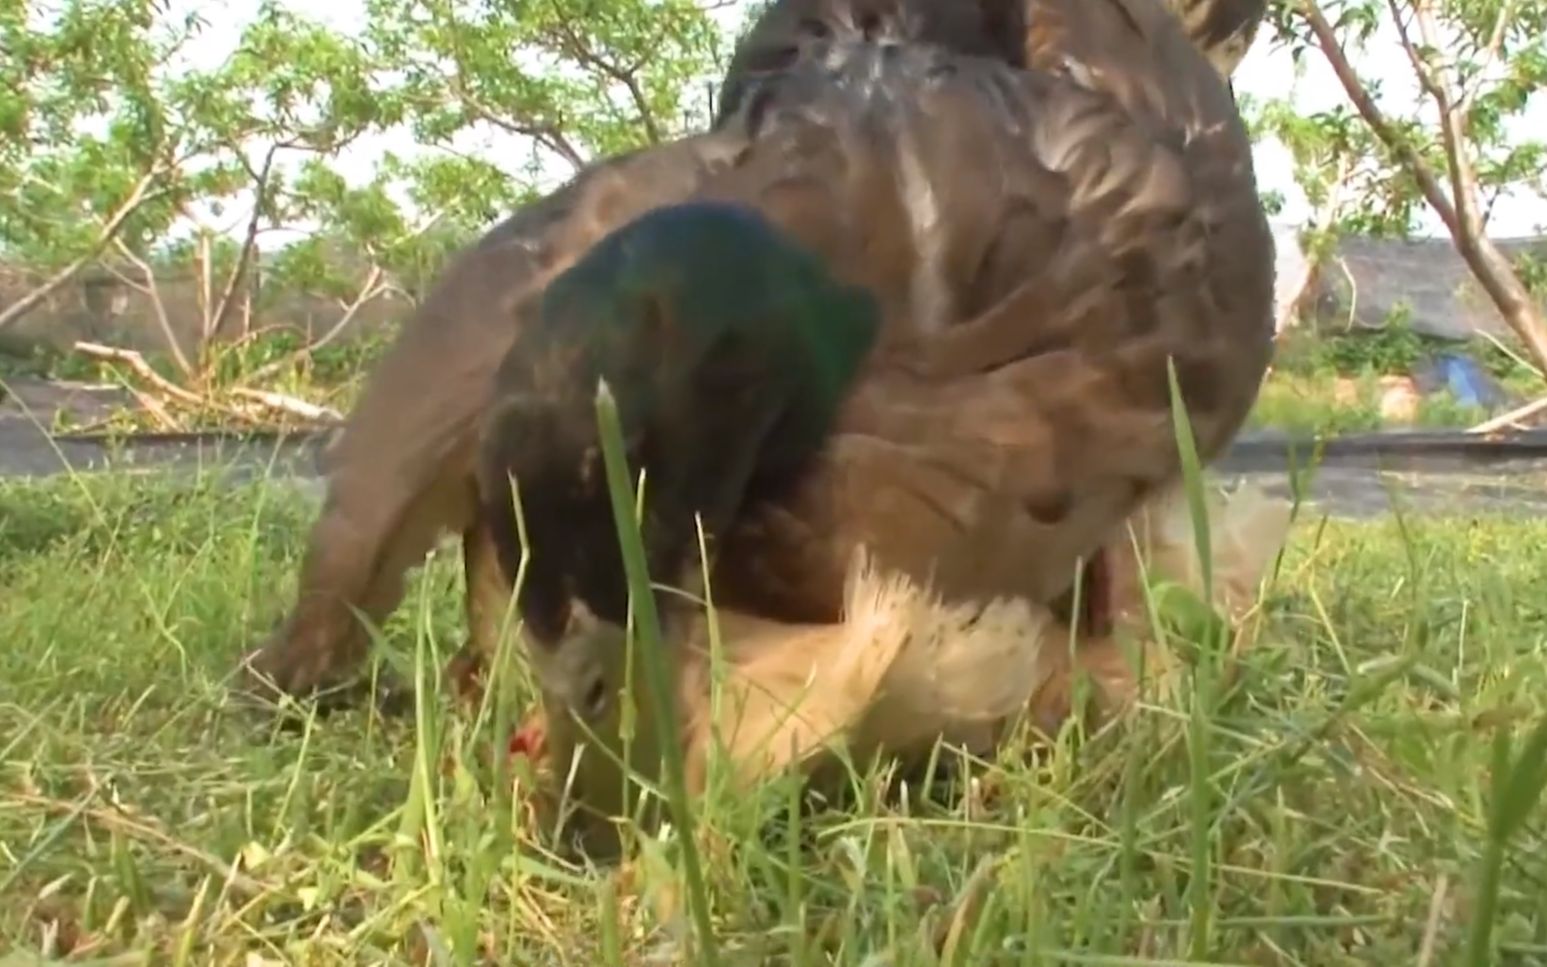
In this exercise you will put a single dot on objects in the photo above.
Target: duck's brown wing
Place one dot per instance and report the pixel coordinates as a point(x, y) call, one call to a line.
point(1072, 230)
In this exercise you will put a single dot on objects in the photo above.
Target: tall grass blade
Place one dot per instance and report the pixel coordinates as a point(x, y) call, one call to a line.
point(495, 687)
point(1516, 793)
point(1201, 799)
point(657, 664)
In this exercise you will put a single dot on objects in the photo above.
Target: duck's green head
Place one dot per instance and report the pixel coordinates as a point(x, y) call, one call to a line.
point(688, 296)
point(729, 349)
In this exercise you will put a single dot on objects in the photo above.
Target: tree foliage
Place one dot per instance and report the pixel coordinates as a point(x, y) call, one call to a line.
point(116, 154)
point(1372, 164)
point(575, 78)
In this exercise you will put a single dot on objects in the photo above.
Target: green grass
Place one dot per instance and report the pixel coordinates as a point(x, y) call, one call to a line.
point(146, 817)
point(1328, 382)
point(1313, 403)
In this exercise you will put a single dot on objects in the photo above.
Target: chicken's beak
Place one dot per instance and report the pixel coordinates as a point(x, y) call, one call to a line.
point(531, 740)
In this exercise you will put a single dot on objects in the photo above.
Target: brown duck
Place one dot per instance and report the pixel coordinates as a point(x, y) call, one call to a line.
point(1038, 243)
point(883, 584)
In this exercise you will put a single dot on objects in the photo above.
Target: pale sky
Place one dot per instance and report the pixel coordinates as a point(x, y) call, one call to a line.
point(1266, 72)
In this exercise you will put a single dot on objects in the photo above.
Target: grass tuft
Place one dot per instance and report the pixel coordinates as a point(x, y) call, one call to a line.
point(1365, 801)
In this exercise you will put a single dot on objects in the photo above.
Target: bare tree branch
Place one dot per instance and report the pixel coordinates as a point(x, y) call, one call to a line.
point(549, 136)
point(577, 48)
point(140, 368)
point(372, 288)
point(266, 399)
point(376, 285)
point(1493, 199)
point(1461, 210)
point(138, 196)
point(1512, 418)
point(1490, 55)
point(152, 291)
point(159, 414)
point(289, 404)
point(1332, 49)
point(216, 320)
point(1426, 78)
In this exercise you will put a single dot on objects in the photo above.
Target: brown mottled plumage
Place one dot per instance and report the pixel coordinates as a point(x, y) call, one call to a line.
point(1041, 241)
point(1222, 30)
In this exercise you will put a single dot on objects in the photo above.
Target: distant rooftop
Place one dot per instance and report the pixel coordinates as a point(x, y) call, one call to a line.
point(1370, 280)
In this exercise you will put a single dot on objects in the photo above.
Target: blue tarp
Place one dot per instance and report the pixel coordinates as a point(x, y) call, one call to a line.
point(1467, 379)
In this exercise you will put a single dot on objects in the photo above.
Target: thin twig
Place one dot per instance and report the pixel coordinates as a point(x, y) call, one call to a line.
point(138, 196)
point(1490, 54)
point(1514, 356)
point(152, 291)
point(1353, 295)
point(1431, 929)
point(288, 404)
point(142, 369)
point(1512, 417)
point(151, 405)
point(372, 289)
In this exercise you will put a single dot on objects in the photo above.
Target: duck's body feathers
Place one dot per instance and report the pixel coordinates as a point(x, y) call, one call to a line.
point(1040, 254)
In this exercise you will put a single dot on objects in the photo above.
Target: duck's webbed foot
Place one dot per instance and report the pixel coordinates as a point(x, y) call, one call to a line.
point(303, 659)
